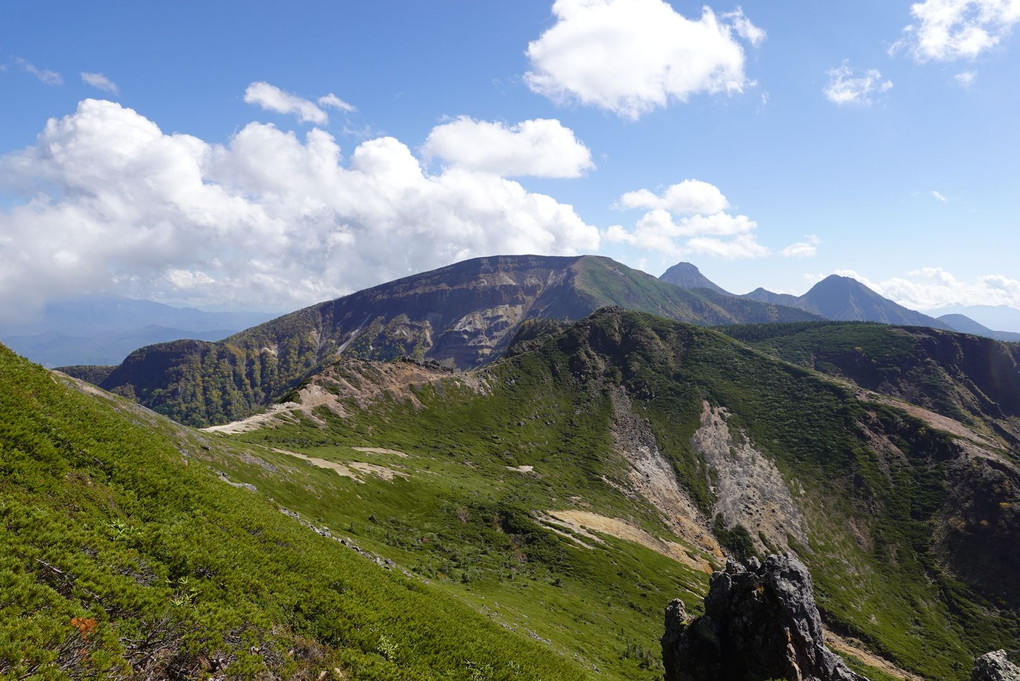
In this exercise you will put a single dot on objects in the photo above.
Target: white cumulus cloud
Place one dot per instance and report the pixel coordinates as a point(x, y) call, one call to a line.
point(272, 98)
point(99, 81)
point(684, 198)
point(540, 148)
point(268, 219)
point(950, 30)
point(687, 218)
point(850, 86)
point(633, 56)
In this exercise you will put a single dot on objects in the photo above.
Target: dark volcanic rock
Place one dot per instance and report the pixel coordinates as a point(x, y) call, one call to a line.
point(760, 623)
point(995, 667)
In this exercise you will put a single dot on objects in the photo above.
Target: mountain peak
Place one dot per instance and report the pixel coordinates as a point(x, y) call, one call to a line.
point(687, 275)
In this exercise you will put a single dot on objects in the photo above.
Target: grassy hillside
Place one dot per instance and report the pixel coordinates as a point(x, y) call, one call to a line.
point(123, 556)
point(482, 466)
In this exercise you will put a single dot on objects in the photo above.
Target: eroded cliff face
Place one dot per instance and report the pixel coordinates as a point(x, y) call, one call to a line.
point(748, 487)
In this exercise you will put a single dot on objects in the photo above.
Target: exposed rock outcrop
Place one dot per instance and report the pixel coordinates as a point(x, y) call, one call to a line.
point(760, 623)
point(995, 666)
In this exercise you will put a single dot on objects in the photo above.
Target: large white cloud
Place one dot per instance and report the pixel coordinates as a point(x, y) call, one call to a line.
point(268, 219)
point(687, 218)
point(633, 56)
point(949, 30)
point(540, 148)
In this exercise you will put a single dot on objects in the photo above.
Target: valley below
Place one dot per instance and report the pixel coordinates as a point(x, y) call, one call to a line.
point(392, 514)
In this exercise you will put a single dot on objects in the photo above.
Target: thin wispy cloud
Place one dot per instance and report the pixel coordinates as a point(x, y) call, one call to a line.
point(99, 81)
point(849, 86)
point(44, 75)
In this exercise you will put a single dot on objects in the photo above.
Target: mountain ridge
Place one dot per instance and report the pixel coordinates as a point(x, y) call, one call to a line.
point(462, 315)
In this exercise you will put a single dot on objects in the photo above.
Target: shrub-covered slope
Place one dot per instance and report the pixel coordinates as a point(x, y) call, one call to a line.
point(123, 556)
point(461, 316)
point(625, 424)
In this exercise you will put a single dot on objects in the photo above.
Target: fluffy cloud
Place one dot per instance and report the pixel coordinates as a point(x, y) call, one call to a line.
point(98, 80)
point(273, 98)
point(268, 219)
point(938, 196)
point(687, 218)
point(633, 56)
point(540, 148)
point(848, 86)
point(931, 288)
point(948, 30)
point(685, 198)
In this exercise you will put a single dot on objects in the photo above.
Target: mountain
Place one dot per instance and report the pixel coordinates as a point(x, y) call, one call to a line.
point(965, 324)
point(528, 519)
point(104, 329)
point(127, 555)
point(461, 316)
point(846, 299)
point(686, 275)
point(52, 348)
point(993, 316)
point(625, 430)
point(764, 296)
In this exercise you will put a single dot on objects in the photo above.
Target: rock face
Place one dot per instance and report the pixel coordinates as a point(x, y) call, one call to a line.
point(995, 667)
point(760, 623)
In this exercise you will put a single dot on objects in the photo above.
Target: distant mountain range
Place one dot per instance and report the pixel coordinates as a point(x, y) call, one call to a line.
point(105, 329)
point(844, 299)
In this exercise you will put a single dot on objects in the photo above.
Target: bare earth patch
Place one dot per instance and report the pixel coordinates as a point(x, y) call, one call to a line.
point(849, 646)
point(350, 469)
point(582, 521)
point(379, 450)
point(521, 469)
point(937, 421)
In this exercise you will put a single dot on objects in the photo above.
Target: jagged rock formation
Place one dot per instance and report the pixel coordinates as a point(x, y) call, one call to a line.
point(760, 623)
point(995, 667)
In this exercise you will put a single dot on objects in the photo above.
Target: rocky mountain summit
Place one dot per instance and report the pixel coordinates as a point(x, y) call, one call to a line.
point(995, 666)
point(760, 623)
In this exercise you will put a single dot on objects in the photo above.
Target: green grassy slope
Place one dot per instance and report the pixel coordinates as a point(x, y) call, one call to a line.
point(123, 556)
point(873, 483)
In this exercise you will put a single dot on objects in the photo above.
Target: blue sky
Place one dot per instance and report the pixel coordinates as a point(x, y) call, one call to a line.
point(263, 155)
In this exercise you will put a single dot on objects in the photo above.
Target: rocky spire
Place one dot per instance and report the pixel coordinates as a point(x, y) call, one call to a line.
point(760, 623)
